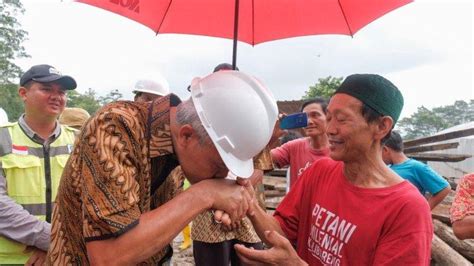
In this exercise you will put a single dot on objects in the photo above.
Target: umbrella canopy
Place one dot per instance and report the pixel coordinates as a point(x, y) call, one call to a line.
point(251, 21)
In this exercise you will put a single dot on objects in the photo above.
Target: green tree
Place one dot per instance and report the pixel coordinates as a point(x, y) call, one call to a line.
point(425, 122)
point(11, 38)
point(458, 113)
point(87, 101)
point(325, 87)
point(10, 101)
point(112, 96)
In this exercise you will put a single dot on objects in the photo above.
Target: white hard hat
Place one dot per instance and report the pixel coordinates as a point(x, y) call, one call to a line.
point(159, 88)
point(238, 113)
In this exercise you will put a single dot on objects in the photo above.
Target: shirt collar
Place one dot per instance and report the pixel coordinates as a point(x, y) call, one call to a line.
point(32, 134)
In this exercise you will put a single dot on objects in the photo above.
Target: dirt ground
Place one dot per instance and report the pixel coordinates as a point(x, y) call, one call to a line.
point(182, 258)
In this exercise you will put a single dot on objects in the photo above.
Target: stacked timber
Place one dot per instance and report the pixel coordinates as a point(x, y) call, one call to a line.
point(426, 148)
point(447, 249)
point(274, 184)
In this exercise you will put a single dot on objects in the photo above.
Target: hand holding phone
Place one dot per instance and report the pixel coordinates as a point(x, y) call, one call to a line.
point(297, 120)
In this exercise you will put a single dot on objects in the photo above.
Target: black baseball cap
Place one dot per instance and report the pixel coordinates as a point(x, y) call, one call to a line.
point(224, 66)
point(47, 73)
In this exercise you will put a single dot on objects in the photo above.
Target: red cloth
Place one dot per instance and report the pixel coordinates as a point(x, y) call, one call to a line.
point(299, 155)
point(334, 222)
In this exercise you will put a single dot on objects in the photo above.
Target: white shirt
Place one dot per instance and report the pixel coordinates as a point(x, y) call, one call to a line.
point(3, 117)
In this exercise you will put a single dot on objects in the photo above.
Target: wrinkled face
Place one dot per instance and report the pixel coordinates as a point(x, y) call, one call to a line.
point(145, 97)
point(47, 99)
point(350, 136)
point(199, 161)
point(316, 120)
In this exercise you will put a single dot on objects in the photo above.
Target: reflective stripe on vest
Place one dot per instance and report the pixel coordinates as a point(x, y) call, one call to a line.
point(25, 163)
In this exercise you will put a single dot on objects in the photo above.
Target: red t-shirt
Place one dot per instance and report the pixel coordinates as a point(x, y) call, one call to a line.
point(333, 222)
point(299, 155)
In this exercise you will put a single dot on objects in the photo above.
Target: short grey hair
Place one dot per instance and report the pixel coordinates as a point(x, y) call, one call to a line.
point(186, 114)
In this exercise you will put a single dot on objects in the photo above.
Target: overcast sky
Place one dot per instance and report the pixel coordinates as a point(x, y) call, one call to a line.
point(425, 48)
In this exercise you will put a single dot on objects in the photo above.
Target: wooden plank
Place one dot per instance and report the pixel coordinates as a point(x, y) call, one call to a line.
point(441, 212)
point(274, 183)
point(439, 157)
point(272, 203)
point(274, 193)
point(436, 147)
point(277, 172)
point(437, 138)
point(440, 216)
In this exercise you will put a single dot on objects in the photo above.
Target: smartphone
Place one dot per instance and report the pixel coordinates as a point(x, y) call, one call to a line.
point(297, 120)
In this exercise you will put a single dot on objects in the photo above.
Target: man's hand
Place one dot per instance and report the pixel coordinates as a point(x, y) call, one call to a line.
point(37, 258)
point(277, 133)
point(224, 218)
point(233, 226)
point(230, 197)
point(254, 179)
point(281, 253)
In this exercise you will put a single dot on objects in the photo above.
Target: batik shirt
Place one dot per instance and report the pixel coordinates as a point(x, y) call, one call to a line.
point(463, 204)
point(107, 183)
point(204, 228)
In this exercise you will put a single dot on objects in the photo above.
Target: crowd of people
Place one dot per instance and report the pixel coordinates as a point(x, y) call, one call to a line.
point(108, 189)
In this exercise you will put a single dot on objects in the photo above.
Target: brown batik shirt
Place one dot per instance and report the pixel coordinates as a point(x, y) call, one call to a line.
point(107, 183)
point(204, 228)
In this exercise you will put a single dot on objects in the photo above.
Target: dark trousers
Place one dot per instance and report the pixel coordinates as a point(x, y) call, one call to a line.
point(219, 254)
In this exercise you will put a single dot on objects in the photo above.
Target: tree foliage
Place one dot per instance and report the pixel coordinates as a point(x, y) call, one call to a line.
point(11, 39)
point(10, 101)
point(87, 101)
point(112, 96)
point(425, 122)
point(324, 88)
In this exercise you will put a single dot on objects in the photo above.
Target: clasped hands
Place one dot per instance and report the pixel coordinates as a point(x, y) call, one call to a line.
point(225, 219)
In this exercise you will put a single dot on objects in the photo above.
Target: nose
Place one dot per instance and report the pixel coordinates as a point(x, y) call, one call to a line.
point(330, 128)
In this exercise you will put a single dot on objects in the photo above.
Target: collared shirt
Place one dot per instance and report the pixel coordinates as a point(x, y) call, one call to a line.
point(34, 136)
point(15, 222)
point(108, 182)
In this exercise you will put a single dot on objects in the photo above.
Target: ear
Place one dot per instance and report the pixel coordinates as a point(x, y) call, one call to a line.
point(383, 127)
point(22, 93)
point(185, 135)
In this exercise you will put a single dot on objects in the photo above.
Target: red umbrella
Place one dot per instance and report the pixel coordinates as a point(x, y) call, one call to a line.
point(251, 21)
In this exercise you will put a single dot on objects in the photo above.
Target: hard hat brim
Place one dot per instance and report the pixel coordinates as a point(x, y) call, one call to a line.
point(243, 169)
point(149, 91)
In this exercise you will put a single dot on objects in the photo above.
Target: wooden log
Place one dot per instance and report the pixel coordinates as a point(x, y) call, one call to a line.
point(443, 254)
point(464, 247)
point(437, 138)
point(439, 157)
point(435, 147)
